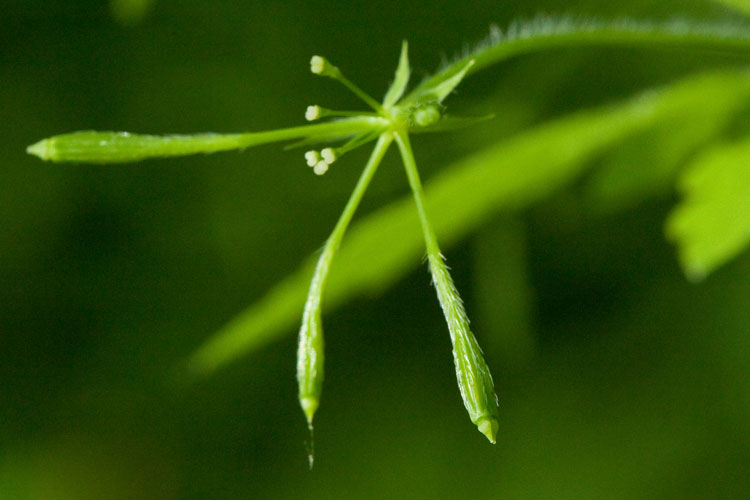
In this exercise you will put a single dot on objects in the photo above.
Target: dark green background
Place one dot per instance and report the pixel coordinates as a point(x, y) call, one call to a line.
point(617, 378)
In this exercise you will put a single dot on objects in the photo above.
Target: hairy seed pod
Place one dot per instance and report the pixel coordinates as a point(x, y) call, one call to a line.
point(119, 147)
point(310, 358)
point(474, 378)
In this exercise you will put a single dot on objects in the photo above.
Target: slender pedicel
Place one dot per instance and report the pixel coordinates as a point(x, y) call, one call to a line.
point(473, 375)
point(310, 353)
point(320, 66)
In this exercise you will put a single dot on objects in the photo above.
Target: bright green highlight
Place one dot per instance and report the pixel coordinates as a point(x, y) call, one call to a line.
point(712, 223)
point(310, 354)
point(473, 375)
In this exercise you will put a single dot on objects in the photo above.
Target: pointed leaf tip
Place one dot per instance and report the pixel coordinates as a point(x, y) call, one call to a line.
point(401, 80)
point(438, 89)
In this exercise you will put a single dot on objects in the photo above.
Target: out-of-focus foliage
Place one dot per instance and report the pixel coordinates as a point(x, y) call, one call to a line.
point(129, 12)
point(712, 224)
point(645, 166)
point(741, 5)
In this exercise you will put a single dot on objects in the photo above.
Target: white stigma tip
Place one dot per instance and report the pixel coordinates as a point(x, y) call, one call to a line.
point(329, 155)
point(321, 168)
point(312, 113)
point(312, 158)
point(317, 64)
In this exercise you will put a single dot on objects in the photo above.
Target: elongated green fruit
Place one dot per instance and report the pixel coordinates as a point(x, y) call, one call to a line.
point(474, 378)
point(310, 355)
point(122, 147)
point(473, 375)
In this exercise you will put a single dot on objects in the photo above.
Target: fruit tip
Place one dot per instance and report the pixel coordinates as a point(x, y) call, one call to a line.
point(41, 149)
point(488, 427)
point(309, 407)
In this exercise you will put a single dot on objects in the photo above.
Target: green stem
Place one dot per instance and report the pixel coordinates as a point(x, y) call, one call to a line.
point(338, 75)
point(327, 130)
point(410, 164)
point(310, 350)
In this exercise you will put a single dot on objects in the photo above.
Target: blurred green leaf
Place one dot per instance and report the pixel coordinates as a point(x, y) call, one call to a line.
point(507, 176)
point(544, 32)
point(647, 163)
point(712, 224)
point(129, 12)
point(741, 5)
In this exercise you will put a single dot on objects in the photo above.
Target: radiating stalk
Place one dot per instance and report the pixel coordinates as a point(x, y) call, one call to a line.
point(310, 350)
point(472, 373)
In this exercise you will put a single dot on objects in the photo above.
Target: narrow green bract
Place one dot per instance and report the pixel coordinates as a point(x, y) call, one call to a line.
point(439, 88)
point(401, 80)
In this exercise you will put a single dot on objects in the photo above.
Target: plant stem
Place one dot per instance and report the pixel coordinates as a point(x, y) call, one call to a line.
point(334, 129)
point(357, 91)
point(410, 164)
point(310, 350)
